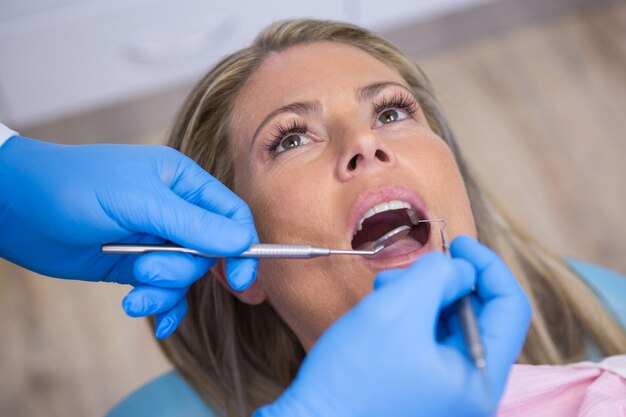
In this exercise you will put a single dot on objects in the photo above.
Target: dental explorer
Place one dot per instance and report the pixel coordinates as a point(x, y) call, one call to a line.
point(264, 250)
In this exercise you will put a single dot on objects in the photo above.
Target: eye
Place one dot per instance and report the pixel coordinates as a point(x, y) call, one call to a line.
point(288, 137)
point(290, 142)
point(391, 115)
point(400, 106)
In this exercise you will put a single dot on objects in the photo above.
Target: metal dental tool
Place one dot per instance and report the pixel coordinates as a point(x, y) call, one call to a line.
point(265, 250)
point(469, 325)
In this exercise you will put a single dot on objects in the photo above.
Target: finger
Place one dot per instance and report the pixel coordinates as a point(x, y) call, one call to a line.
point(495, 281)
point(505, 312)
point(171, 270)
point(461, 283)
point(167, 322)
point(386, 277)
point(147, 300)
point(198, 187)
point(489, 267)
point(241, 273)
point(163, 213)
point(122, 271)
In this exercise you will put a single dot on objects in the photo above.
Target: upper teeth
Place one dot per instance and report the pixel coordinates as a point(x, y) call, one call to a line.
point(390, 205)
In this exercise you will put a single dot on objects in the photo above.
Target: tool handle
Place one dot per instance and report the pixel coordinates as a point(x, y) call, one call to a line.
point(264, 250)
point(269, 250)
point(137, 248)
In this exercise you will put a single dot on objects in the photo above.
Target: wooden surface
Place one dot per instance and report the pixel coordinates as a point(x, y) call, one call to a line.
point(67, 348)
point(541, 113)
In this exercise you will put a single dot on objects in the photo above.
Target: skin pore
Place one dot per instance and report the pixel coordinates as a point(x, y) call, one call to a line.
point(356, 129)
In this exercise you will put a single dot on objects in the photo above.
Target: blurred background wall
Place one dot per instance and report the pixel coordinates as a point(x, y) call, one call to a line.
point(535, 89)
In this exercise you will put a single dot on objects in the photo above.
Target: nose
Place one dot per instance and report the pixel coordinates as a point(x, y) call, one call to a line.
point(364, 153)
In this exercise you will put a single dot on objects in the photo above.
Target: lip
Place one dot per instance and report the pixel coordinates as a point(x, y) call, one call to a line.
point(369, 198)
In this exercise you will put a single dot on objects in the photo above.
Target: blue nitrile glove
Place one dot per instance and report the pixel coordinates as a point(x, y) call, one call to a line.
point(388, 356)
point(59, 203)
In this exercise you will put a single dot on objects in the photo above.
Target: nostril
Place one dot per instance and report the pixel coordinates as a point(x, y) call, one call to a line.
point(352, 163)
point(381, 156)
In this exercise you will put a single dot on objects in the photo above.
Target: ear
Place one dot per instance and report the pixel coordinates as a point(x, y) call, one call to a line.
point(254, 294)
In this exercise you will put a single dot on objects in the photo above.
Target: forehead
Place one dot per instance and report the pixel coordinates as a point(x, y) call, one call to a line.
point(318, 70)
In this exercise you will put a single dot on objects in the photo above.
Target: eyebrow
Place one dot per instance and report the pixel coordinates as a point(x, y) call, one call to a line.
point(364, 93)
point(299, 107)
point(372, 90)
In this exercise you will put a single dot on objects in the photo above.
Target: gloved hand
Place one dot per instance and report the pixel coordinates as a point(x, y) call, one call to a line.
point(399, 353)
point(59, 204)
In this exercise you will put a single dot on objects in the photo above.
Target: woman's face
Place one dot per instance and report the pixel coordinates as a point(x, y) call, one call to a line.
point(323, 135)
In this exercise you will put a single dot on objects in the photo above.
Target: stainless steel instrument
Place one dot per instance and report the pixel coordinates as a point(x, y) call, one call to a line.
point(264, 250)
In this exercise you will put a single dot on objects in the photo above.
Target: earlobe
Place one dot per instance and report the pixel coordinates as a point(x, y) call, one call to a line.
point(254, 294)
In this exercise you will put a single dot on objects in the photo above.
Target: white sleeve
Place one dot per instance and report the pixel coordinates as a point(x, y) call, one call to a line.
point(6, 134)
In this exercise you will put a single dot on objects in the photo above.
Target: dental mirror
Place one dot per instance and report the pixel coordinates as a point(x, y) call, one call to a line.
point(391, 237)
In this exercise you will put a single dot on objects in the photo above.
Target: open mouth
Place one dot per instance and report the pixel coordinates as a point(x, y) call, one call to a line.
point(387, 216)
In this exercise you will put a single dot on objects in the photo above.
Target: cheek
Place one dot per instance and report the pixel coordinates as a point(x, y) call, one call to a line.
point(259, 192)
point(427, 158)
point(290, 204)
point(429, 161)
point(448, 191)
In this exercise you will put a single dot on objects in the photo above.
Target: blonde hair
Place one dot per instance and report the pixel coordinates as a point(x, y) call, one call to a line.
point(239, 356)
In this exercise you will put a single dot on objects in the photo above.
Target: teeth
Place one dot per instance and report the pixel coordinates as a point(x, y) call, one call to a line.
point(389, 205)
point(379, 208)
point(396, 204)
point(413, 216)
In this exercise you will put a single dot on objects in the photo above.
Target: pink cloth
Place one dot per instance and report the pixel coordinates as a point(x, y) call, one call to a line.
point(584, 389)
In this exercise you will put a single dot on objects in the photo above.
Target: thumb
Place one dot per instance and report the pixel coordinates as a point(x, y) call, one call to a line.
point(430, 284)
point(505, 312)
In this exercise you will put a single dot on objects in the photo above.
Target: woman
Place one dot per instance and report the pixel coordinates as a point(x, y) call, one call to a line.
point(365, 129)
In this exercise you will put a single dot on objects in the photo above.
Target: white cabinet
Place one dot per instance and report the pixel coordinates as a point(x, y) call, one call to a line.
point(83, 55)
point(383, 15)
point(65, 57)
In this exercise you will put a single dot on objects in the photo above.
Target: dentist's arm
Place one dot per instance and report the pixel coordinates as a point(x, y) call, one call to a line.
point(59, 203)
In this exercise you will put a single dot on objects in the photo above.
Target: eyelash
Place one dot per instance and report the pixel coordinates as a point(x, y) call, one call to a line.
point(282, 131)
point(397, 101)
